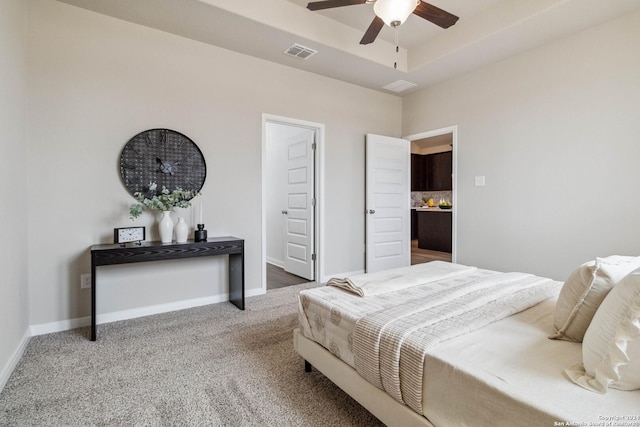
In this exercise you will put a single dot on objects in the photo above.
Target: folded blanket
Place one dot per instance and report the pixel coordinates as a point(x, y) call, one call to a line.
point(399, 278)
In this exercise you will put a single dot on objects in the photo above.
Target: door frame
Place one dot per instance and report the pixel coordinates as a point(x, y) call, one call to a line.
point(454, 159)
point(319, 130)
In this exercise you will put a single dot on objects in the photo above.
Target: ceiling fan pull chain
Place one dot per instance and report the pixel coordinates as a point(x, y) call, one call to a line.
point(395, 29)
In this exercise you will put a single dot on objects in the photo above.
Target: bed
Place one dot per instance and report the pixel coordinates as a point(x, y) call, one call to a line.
point(503, 370)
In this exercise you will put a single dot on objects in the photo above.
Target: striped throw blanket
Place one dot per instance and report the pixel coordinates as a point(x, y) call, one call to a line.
point(389, 346)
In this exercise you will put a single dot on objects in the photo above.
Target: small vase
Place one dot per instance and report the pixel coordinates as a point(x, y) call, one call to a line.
point(165, 226)
point(182, 230)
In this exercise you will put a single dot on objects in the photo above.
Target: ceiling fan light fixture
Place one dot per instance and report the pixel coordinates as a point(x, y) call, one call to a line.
point(394, 12)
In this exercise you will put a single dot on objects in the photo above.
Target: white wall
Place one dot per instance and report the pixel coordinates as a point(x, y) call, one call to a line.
point(14, 305)
point(555, 130)
point(96, 81)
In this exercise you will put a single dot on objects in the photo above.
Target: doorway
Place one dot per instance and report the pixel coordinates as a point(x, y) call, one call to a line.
point(433, 230)
point(291, 201)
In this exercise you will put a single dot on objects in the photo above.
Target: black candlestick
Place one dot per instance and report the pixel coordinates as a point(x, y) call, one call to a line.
point(200, 235)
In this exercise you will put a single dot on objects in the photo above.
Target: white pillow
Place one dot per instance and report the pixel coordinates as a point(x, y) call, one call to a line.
point(611, 346)
point(584, 291)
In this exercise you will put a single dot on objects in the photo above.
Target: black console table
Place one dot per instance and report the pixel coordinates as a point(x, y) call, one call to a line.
point(157, 251)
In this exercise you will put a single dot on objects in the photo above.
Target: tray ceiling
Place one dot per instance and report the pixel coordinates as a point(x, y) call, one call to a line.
point(488, 31)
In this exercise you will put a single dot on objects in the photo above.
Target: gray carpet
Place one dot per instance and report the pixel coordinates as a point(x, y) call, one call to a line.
point(213, 365)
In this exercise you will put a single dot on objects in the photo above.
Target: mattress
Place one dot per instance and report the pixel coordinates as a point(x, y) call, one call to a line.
point(507, 373)
point(510, 372)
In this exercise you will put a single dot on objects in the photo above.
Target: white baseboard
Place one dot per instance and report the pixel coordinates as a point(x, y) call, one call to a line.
point(64, 325)
point(254, 293)
point(160, 308)
point(275, 262)
point(7, 370)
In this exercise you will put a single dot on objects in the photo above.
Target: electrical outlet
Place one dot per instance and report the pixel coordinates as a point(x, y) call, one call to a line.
point(85, 281)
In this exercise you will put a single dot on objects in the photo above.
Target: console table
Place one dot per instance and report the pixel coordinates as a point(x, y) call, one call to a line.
point(156, 251)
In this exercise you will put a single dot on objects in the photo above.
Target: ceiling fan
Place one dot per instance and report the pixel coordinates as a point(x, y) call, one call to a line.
point(391, 12)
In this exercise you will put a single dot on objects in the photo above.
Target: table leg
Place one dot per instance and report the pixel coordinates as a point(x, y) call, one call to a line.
point(236, 280)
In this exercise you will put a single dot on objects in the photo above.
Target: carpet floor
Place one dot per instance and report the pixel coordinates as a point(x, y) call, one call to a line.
point(207, 366)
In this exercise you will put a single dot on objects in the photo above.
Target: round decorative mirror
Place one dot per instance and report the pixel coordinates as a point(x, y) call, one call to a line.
point(162, 156)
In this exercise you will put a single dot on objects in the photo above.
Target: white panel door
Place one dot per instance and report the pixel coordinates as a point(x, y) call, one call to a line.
point(298, 258)
point(387, 203)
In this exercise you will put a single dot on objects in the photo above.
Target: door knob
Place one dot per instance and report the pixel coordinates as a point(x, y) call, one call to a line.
point(285, 212)
point(372, 211)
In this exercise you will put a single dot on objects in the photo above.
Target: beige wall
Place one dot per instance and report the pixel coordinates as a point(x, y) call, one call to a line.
point(14, 305)
point(555, 130)
point(97, 81)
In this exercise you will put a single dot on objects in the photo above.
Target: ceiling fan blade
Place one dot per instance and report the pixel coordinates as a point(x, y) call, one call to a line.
point(373, 31)
point(328, 4)
point(436, 15)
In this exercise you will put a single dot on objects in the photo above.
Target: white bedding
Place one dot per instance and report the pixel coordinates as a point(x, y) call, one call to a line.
point(397, 279)
point(390, 345)
point(507, 373)
point(328, 314)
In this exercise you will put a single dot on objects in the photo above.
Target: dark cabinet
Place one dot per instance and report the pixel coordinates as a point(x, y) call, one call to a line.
point(440, 169)
point(414, 224)
point(434, 231)
point(431, 172)
point(418, 172)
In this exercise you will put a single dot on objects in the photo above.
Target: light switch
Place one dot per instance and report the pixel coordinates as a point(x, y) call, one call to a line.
point(479, 181)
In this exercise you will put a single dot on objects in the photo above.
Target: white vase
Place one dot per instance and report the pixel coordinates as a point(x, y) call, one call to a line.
point(165, 226)
point(182, 230)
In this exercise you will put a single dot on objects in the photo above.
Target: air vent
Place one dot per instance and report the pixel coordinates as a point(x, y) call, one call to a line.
point(300, 52)
point(399, 86)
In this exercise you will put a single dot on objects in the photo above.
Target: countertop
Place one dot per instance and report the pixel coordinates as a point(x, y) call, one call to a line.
point(433, 209)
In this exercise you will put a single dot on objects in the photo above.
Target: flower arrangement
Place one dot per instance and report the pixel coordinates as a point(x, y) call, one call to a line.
point(165, 200)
